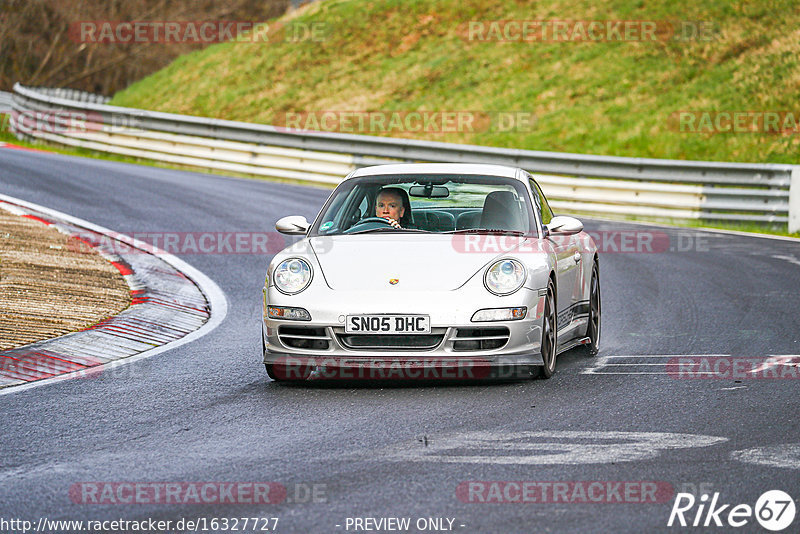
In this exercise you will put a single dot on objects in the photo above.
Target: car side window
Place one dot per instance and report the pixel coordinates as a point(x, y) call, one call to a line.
point(541, 203)
point(363, 208)
point(346, 210)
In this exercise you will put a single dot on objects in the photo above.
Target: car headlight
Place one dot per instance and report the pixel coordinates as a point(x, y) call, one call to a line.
point(292, 276)
point(499, 314)
point(504, 277)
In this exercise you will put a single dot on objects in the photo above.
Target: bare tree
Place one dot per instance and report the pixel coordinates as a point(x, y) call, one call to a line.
point(36, 47)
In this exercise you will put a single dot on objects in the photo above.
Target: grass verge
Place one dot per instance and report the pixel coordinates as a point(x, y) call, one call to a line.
point(607, 97)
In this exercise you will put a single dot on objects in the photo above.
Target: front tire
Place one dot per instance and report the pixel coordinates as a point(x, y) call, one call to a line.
point(549, 334)
point(593, 327)
point(271, 372)
point(269, 367)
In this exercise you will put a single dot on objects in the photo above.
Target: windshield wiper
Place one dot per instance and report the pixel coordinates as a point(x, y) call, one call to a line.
point(388, 229)
point(487, 231)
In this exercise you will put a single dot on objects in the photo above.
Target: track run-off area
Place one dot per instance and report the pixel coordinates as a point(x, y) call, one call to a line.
point(695, 392)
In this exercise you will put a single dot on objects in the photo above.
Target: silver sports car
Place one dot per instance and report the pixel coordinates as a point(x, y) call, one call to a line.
point(422, 271)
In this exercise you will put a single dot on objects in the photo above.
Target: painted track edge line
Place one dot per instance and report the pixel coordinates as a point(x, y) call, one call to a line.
point(216, 297)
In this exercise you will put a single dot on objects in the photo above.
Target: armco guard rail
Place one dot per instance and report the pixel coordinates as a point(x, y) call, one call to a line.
point(6, 101)
point(768, 193)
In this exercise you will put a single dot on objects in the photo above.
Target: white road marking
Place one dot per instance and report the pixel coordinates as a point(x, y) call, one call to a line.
point(790, 259)
point(787, 360)
point(603, 365)
point(548, 447)
point(786, 456)
point(604, 362)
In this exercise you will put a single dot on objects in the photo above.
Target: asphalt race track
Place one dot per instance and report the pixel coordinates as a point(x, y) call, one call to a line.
point(206, 411)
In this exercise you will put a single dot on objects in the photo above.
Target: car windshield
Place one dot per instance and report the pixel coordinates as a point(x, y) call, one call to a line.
point(438, 203)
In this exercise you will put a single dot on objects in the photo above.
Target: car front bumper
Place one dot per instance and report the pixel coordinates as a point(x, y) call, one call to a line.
point(456, 343)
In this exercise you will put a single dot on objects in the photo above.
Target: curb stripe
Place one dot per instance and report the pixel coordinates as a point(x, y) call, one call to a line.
point(35, 218)
point(123, 269)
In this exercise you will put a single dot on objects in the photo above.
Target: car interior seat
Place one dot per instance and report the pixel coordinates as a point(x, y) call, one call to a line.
point(435, 221)
point(468, 219)
point(502, 211)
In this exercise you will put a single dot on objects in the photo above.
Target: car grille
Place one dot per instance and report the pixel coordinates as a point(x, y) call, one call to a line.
point(304, 337)
point(467, 339)
point(392, 341)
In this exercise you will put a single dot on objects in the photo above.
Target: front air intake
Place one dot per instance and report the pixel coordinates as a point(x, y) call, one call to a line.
point(304, 337)
point(474, 339)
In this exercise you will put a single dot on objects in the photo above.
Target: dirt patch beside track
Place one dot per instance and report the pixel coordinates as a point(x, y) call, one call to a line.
point(51, 284)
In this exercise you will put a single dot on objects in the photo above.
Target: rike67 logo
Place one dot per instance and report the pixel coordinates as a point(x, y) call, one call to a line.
point(774, 510)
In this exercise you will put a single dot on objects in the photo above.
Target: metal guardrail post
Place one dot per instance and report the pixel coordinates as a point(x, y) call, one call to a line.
point(794, 201)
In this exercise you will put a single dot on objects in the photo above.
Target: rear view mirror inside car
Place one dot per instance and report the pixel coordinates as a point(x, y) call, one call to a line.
point(429, 191)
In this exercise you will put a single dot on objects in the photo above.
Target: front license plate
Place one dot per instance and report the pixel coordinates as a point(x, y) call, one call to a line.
point(388, 324)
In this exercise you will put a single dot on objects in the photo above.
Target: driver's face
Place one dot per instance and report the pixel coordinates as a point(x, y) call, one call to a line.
point(389, 206)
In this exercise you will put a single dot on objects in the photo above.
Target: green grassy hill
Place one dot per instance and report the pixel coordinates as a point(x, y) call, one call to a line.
point(614, 97)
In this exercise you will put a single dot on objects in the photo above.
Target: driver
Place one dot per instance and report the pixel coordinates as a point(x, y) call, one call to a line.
point(391, 205)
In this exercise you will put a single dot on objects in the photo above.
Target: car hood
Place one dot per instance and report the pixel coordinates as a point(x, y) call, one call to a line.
point(418, 262)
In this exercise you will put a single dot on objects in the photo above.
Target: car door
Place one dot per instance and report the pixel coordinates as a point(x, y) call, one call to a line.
point(568, 263)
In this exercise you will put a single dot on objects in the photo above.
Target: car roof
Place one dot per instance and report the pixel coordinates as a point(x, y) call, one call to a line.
point(438, 168)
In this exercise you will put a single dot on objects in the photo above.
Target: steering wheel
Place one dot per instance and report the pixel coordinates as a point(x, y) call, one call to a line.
point(377, 221)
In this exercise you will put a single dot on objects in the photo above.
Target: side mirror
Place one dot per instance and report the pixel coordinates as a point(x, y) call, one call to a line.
point(293, 225)
point(564, 225)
